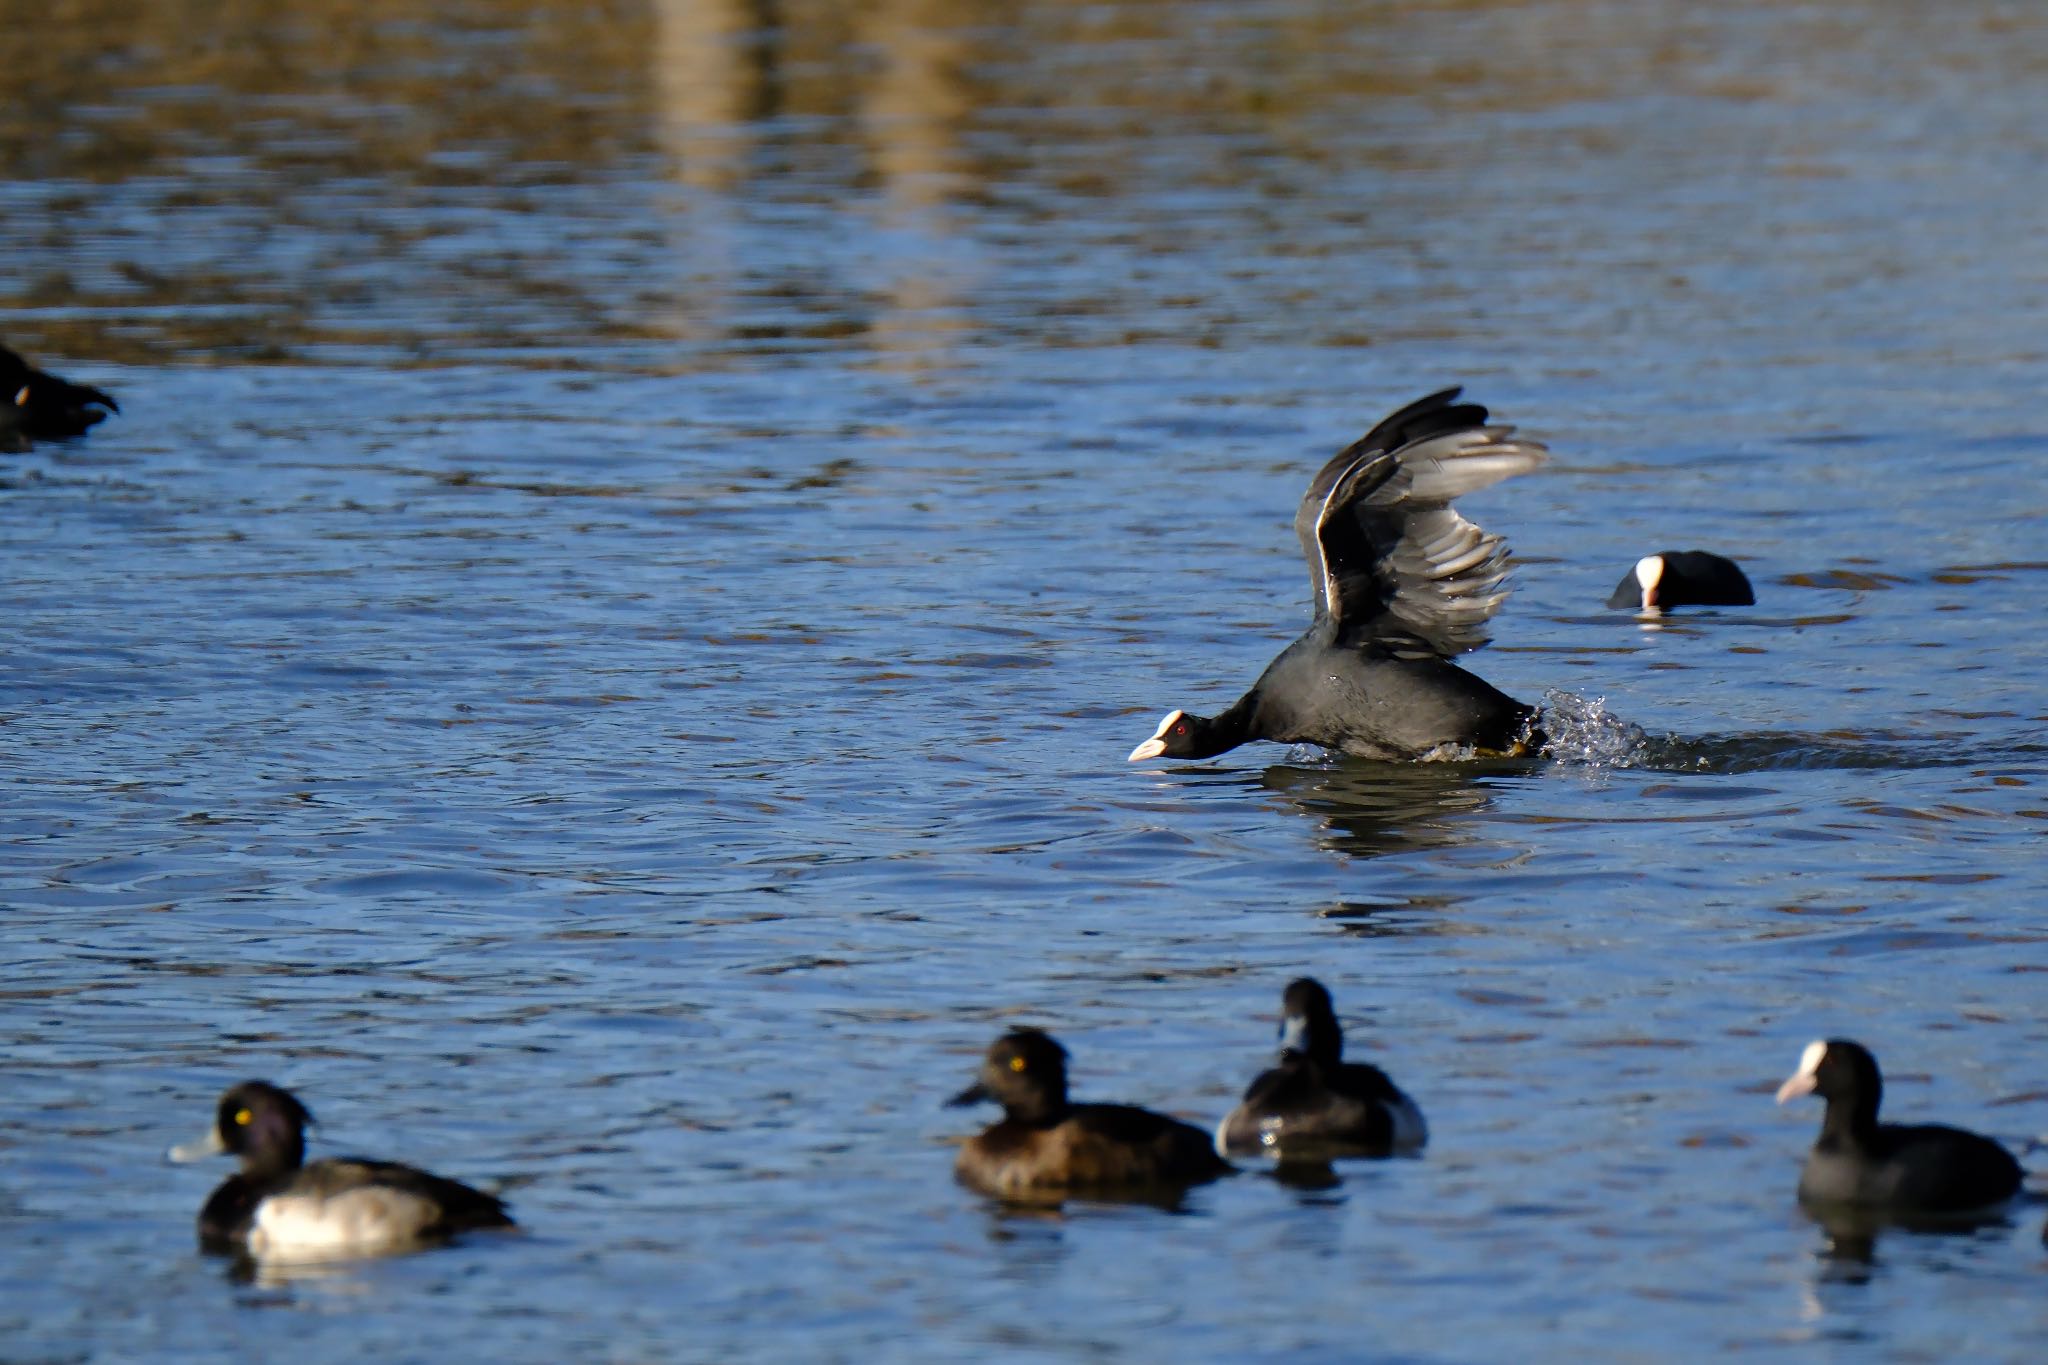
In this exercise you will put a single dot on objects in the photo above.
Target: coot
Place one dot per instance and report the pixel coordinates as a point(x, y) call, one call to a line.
point(1896, 1168)
point(46, 405)
point(1683, 578)
point(1401, 584)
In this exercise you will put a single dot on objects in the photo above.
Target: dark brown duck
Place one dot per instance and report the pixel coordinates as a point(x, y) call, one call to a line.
point(1047, 1146)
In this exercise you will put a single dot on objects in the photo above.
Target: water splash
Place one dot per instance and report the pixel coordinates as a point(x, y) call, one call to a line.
point(1579, 729)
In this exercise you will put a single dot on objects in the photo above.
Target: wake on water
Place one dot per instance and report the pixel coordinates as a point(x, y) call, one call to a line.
point(1582, 731)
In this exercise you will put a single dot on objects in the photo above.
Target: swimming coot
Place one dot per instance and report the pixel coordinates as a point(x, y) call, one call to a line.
point(1896, 1168)
point(1046, 1146)
point(46, 405)
point(12, 439)
point(1312, 1100)
point(1683, 578)
point(1401, 584)
point(278, 1206)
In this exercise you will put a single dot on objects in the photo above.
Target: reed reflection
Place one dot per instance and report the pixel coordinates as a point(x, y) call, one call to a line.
point(859, 115)
point(913, 113)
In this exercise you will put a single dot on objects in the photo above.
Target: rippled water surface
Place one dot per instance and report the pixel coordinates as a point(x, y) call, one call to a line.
point(601, 646)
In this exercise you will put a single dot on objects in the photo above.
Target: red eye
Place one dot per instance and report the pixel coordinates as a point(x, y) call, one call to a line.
point(1181, 728)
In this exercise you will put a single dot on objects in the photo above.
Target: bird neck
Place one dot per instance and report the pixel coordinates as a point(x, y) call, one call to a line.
point(1851, 1120)
point(1223, 732)
point(287, 1154)
point(1041, 1110)
point(1325, 1044)
point(1314, 1035)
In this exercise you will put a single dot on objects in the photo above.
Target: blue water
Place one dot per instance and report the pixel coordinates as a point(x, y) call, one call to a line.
point(601, 645)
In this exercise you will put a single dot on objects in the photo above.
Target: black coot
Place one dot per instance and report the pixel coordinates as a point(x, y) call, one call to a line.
point(1402, 583)
point(1683, 578)
point(46, 406)
point(1894, 1168)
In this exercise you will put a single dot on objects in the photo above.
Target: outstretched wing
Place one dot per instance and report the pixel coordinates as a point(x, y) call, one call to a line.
point(1425, 417)
point(1395, 564)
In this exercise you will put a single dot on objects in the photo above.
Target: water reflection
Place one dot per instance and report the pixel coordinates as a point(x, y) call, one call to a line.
point(1315, 1187)
point(1307, 1176)
point(1033, 1240)
point(746, 174)
point(1055, 1206)
point(716, 75)
point(214, 826)
point(715, 80)
point(539, 185)
point(1850, 1236)
point(1701, 624)
point(1371, 810)
point(336, 1276)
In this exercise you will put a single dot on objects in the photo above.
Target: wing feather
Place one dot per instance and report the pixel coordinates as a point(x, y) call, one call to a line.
point(1425, 417)
point(1393, 563)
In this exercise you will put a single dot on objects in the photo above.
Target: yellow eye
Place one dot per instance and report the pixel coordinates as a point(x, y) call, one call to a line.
point(242, 1116)
point(1016, 1063)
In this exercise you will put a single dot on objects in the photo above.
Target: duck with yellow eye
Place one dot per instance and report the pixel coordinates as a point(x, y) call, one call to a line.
point(280, 1207)
point(1047, 1147)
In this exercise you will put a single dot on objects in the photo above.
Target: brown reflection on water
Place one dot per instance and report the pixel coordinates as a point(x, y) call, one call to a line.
point(581, 184)
point(260, 180)
point(715, 77)
point(715, 74)
point(916, 107)
point(108, 90)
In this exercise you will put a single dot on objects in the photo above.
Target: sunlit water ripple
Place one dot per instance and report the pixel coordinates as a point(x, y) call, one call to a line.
point(601, 646)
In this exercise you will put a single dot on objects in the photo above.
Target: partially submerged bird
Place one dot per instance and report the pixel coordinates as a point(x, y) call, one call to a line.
point(1892, 1168)
point(46, 406)
point(1046, 1146)
point(1313, 1102)
point(1401, 584)
point(281, 1207)
point(1683, 578)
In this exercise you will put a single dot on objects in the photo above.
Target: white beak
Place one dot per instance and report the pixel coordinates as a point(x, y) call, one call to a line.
point(1649, 573)
point(1795, 1087)
point(1156, 745)
point(1802, 1081)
